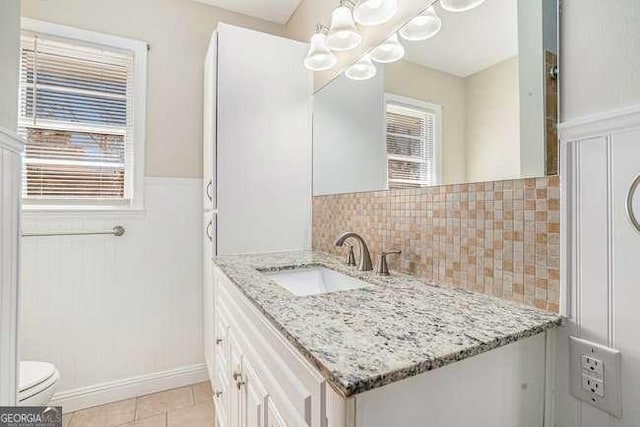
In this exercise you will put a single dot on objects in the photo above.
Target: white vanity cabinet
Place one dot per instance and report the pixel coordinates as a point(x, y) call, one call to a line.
point(260, 380)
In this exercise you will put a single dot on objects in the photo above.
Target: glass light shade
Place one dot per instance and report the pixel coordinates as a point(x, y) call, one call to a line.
point(460, 5)
point(391, 50)
point(423, 26)
point(361, 70)
point(343, 34)
point(319, 57)
point(375, 12)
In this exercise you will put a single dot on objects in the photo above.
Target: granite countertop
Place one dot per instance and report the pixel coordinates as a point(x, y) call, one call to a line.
point(366, 338)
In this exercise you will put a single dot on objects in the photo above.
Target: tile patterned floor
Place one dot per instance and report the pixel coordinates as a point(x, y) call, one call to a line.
point(190, 406)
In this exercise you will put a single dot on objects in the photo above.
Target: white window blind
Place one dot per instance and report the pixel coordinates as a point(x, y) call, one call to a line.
point(76, 114)
point(411, 145)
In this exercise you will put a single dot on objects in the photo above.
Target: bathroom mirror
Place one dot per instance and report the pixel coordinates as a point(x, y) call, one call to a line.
point(452, 97)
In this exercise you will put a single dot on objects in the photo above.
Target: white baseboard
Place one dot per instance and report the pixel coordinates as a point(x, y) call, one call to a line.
point(100, 394)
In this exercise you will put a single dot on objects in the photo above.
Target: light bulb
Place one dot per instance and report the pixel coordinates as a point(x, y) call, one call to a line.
point(391, 50)
point(423, 26)
point(460, 5)
point(375, 12)
point(361, 70)
point(343, 34)
point(319, 57)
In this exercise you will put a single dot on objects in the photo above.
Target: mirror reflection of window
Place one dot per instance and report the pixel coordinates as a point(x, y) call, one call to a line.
point(450, 98)
point(413, 140)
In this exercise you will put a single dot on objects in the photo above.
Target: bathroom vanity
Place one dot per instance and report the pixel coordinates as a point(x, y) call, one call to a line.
point(367, 350)
point(301, 339)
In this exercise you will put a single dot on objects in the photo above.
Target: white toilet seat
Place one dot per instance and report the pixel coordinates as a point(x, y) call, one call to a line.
point(38, 381)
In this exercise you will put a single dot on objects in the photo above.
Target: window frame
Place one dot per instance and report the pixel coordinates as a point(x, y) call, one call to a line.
point(139, 48)
point(427, 107)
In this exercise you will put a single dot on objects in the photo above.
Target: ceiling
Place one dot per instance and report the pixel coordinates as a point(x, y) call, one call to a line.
point(278, 11)
point(470, 41)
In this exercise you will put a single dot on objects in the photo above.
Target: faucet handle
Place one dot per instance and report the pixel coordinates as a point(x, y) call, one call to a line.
point(351, 258)
point(383, 268)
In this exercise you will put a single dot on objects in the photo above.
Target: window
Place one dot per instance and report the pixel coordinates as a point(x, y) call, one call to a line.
point(82, 115)
point(413, 138)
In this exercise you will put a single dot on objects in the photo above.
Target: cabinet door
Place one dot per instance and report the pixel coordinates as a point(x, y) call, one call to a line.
point(222, 388)
point(264, 142)
point(253, 397)
point(274, 419)
point(208, 297)
point(221, 395)
point(222, 342)
point(209, 125)
point(235, 360)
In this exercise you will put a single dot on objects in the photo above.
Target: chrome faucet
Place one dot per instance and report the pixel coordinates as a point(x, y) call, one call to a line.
point(365, 258)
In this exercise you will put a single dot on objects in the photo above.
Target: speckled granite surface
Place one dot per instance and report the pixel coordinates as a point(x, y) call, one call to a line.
point(366, 338)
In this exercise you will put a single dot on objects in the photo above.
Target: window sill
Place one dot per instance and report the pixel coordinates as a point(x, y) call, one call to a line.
point(88, 212)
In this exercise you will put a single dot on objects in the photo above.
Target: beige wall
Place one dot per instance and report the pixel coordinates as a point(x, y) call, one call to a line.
point(493, 123)
point(8, 64)
point(418, 82)
point(178, 32)
point(480, 117)
point(302, 23)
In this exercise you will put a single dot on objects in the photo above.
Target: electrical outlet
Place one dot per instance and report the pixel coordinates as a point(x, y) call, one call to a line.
point(593, 385)
point(595, 375)
point(593, 365)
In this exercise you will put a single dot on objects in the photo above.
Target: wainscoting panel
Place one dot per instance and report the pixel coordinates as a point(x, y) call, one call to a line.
point(105, 309)
point(601, 158)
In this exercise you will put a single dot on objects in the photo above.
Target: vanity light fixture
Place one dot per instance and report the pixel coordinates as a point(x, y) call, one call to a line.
point(375, 12)
point(343, 34)
point(460, 5)
point(423, 26)
point(320, 57)
point(362, 70)
point(391, 50)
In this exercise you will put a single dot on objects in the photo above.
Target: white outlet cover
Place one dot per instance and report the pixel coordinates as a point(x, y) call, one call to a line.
point(611, 402)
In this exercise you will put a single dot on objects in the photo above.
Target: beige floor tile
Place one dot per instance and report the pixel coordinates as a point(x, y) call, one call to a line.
point(197, 416)
point(159, 420)
point(112, 414)
point(66, 419)
point(202, 393)
point(159, 403)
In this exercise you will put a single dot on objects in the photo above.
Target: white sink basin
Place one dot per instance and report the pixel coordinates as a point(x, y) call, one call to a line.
point(315, 280)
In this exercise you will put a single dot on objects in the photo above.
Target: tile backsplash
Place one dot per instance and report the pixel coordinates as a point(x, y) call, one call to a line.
point(500, 238)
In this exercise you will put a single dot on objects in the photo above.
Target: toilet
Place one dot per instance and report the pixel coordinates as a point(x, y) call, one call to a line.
point(38, 382)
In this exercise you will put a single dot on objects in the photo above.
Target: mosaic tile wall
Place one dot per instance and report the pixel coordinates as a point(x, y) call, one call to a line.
point(500, 238)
